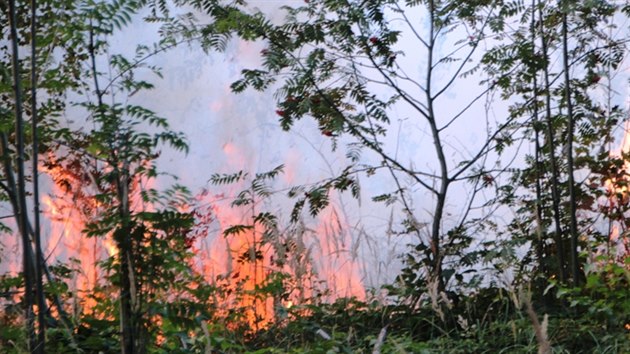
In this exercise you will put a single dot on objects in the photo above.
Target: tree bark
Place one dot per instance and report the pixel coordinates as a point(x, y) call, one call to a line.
point(555, 195)
point(438, 213)
point(20, 197)
point(39, 257)
point(575, 266)
point(540, 245)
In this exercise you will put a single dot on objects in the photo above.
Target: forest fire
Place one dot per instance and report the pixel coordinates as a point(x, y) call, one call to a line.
point(227, 176)
point(250, 264)
point(253, 257)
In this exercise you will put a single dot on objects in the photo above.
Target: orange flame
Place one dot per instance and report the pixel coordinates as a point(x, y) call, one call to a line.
point(313, 256)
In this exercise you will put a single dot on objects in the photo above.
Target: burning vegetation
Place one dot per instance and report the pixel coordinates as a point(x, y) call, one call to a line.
point(515, 239)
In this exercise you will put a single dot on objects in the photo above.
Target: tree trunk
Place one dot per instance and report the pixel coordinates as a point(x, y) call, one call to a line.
point(39, 257)
point(20, 196)
point(436, 230)
point(575, 266)
point(540, 245)
point(129, 320)
point(555, 195)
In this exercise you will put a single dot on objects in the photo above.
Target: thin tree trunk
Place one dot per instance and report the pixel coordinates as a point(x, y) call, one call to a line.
point(436, 230)
point(39, 286)
point(540, 246)
point(27, 250)
point(555, 195)
point(575, 266)
point(128, 321)
point(127, 303)
point(11, 188)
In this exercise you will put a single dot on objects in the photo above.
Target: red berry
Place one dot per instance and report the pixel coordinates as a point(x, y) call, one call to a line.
point(487, 180)
point(373, 40)
point(327, 132)
point(595, 79)
point(280, 112)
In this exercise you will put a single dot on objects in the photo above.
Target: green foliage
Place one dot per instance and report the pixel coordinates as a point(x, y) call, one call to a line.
point(323, 59)
point(604, 297)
